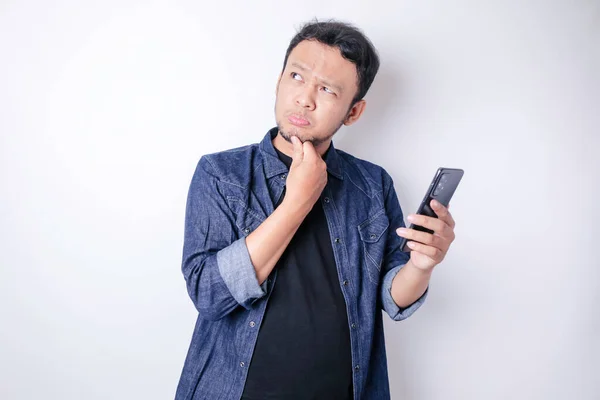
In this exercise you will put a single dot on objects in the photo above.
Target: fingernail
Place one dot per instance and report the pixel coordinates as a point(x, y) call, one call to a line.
point(410, 218)
point(401, 231)
point(411, 244)
point(435, 203)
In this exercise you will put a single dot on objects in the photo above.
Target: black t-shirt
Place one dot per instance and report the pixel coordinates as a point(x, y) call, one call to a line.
point(303, 346)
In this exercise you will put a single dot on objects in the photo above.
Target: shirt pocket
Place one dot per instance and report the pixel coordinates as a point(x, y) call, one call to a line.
point(373, 233)
point(246, 219)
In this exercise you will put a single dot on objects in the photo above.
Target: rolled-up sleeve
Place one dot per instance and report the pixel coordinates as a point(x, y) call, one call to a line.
point(389, 305)
point(239, 274)
point(395, 258)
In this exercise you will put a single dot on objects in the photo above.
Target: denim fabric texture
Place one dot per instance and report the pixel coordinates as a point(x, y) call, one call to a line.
point(231, 193)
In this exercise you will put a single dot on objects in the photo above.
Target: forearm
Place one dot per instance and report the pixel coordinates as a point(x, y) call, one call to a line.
point(268, 242)
point(409, 284)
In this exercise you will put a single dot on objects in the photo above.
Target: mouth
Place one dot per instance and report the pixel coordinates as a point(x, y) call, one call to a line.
point(298, 121)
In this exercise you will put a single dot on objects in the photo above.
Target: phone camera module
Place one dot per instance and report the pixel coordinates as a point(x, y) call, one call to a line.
point(440, 185)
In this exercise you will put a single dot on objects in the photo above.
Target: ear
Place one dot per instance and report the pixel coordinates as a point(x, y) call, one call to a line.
point(355, 112)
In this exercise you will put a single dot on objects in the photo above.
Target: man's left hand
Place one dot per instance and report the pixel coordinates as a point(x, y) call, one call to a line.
point(428, 250)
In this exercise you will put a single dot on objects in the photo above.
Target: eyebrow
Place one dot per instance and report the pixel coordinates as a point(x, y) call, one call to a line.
point(323, 81)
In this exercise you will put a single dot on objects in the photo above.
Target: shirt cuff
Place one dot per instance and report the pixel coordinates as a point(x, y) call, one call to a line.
point(390, 306)
point(238, 273)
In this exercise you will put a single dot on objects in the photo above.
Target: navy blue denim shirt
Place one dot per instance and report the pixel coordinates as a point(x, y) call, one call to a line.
point(231, 193)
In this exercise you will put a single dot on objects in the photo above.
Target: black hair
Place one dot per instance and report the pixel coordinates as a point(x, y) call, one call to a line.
point(351, 42)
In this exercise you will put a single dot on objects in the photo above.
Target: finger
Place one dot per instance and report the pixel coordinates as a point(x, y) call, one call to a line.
point(435, 224)
point(430, 251)
point(422, 237)
point(309, 150)
point(443, 213)
point(298, 153)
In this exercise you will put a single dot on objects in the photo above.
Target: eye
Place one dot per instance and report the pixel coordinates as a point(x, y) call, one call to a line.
point(326, 89)
point(296, 76)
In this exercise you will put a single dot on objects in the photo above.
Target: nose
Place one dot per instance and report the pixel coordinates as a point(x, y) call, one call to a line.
point(305, 98)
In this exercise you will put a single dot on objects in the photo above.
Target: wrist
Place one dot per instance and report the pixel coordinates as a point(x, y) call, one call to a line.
point(417, 270)
point(293, 211)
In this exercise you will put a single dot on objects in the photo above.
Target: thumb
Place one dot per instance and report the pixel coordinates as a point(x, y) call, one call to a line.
point(298, 154)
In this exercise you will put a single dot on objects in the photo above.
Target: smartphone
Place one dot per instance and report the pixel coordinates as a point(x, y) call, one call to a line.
point(443, 186)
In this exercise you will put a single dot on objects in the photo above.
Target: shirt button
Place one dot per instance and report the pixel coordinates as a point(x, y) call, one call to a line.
point(242, 364)
point(252, 324)
point(356, 367)
point(247, 230)
point(373, 236)
point(345, 283)
point(353, 326)
point(283, 176)
point(326, 199)
point(337, 240)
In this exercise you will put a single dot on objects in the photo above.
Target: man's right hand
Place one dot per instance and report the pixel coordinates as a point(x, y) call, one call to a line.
point(307, 177)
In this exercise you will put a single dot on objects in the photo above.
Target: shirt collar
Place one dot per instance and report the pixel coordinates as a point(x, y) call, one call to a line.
point(274, 166)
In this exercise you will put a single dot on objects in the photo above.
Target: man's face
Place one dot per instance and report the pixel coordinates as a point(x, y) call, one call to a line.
point(314, 93)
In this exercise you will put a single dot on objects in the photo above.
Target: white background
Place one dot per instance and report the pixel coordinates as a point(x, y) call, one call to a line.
point(106, 108)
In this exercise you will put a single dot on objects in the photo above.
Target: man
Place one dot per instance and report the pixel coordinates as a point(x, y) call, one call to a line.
point(291, 249)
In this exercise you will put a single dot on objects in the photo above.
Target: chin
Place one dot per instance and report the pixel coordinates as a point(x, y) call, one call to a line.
point(288, 130)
